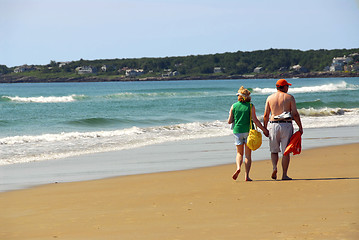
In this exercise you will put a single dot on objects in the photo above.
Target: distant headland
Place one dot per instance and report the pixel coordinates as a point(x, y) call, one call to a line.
point(271, 63)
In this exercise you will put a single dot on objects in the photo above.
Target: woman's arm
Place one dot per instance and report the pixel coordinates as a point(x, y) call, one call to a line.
point(230, 117)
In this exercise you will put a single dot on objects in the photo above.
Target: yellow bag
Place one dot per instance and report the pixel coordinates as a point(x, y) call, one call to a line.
point(254, 140)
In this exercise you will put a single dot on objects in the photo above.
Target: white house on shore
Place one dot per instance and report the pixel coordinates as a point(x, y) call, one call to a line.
point(339, 62)
point(258, 69)
point(170, 73)
point(61, 64)
point(134, 72)
point(298, 68)
point(104, 68)
point(85, 70)
point(23, 68)
point(217, 70)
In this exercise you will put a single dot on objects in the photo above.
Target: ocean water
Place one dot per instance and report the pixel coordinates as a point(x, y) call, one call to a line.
point(46, 121)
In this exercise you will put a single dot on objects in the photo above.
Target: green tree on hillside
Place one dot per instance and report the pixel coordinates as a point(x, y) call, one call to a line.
point(4, 69)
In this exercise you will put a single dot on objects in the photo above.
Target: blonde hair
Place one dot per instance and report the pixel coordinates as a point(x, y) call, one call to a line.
point(243, 95)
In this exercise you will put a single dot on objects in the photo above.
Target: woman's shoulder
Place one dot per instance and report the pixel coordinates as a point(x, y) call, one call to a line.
point(247, 104)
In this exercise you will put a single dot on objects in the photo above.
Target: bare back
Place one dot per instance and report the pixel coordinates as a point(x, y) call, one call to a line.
point(278, 103)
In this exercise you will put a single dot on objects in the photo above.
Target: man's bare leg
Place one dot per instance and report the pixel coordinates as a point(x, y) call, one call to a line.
point(285, 165)
point(274, 157)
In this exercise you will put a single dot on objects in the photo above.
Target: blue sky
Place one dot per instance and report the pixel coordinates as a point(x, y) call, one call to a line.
point(38, 31)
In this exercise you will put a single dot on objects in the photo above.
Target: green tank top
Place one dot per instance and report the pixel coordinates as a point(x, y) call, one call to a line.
point(241, 114)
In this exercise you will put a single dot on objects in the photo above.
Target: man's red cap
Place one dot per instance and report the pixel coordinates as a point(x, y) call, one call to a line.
point(282, 82)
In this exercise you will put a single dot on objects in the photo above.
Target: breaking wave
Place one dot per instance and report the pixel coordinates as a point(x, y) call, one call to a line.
point(42, 99)
point(17, 149)
point(155, 95)
point(312, 112)
point(330, 87)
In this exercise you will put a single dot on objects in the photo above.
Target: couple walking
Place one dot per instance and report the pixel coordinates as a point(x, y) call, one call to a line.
point(280, 110)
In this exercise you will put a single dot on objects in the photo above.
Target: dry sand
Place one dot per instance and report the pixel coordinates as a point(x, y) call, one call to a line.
point(322, 202)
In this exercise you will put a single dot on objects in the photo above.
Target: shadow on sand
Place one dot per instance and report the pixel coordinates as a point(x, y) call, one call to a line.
point(309, 179)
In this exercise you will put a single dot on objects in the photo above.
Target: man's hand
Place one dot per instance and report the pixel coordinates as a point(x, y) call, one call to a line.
point(266, 132)
point(301, 131)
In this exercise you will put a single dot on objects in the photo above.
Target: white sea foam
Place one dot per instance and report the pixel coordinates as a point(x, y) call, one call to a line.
point(19, 149)
point(330, 87)
point(67, 136)
point(50, 146)
point(42, 99)
point(156, 95)
point(330, 121)
point(326, 111)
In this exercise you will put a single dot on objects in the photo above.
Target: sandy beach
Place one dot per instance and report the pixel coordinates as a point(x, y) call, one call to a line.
point(322, 202)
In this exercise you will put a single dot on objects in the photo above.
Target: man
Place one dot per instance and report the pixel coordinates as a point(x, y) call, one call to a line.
point(279, 112)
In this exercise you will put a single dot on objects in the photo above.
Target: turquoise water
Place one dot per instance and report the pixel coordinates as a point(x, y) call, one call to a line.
point(44, 121)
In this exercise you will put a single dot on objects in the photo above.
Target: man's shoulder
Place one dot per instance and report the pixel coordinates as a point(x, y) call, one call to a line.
point(289, 96)
point(286, 95)
point(271, 96)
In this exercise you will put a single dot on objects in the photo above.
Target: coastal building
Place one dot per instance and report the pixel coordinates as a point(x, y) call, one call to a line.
point(258, 70)
point(335, 68)
point(61, 64)
point(298, 68)
point(339, 62)
point(326, 68)
point(170, 73)
point(23, 68)
point(134, 72)
point(355, 67)
point(342, 60)
point(217, 70)
point(85, 70)
point(19, 69)
point(104, 68)
point(351, 68)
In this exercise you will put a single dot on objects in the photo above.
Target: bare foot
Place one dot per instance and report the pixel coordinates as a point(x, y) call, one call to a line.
point(235, 175)
point(274, 174)
point(248, 180)
point(286, 178)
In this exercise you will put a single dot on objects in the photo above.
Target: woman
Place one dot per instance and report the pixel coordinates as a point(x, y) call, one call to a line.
point(239, 115)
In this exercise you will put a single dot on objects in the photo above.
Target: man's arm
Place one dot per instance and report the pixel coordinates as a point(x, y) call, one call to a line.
point(295, 114)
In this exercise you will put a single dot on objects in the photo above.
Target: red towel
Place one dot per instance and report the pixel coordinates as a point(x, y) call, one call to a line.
point(295, 144)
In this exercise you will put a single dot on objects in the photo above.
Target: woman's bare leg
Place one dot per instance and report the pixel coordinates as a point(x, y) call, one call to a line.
point(248, 162)
point(239, 160)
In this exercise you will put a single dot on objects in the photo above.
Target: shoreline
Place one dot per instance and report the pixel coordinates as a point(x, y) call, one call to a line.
point(163, 157)
point(205, 203)
point(11, 78)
